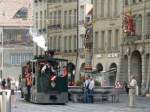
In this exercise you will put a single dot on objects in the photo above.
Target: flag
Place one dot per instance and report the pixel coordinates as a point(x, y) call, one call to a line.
point(53, 77)
point(88, 9)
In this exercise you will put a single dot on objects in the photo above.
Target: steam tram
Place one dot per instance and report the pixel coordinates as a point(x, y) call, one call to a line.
point(48, 80)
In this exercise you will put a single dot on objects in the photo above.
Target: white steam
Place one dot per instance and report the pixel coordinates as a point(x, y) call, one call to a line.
point(39, 40)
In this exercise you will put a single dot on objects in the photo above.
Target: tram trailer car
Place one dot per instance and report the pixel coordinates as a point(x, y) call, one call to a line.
point(49, 81)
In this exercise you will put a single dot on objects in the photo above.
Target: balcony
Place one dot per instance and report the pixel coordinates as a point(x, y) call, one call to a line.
point(54, 27)
point(70, 26)
point(98, 50)
point(147, 36)
point(131, 39)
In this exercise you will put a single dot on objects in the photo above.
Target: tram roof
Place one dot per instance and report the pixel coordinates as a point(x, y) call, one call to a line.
point(49, 59)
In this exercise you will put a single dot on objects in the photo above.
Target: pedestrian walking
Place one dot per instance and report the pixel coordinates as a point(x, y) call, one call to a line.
point(132, 91)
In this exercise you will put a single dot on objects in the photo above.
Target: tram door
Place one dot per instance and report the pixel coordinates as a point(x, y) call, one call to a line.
point(34, 69)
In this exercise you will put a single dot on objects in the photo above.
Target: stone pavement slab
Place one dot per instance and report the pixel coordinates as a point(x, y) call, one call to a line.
point(143, 105)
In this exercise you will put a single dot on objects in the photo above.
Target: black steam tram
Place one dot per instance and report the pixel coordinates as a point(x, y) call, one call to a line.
point(45, 80)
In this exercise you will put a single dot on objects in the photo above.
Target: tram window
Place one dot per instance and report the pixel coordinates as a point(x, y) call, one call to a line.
point(33, 68)
point(34, 81)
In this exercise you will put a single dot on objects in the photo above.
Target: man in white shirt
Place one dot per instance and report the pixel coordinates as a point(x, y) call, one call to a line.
point(91, 90)
point(86, 89)
point(132, 91)
point(92, 84)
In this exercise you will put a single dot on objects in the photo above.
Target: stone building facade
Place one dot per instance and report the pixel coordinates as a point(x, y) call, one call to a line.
point(39, 21)
point(60, 18)
point(107, 35)
point(129, 55)
point(17, 47)
point(135, 50)
point(61, 29)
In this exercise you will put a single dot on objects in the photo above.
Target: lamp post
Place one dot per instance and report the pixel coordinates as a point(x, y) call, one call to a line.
point(77, 43)
point(88, 39)
point(2, 53)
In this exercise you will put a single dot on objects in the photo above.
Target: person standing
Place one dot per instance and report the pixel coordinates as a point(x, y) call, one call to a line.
point(86, 89)
point(91, 90)
point(8, 83)
point(29, 84)
point(126, 87)
point(13, 96)
point(132, 91)
point(4, 83)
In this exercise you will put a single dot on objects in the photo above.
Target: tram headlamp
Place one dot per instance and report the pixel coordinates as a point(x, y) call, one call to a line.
point(53, 84)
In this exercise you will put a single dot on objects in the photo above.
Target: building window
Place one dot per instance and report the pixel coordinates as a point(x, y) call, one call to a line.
point(102, 8)
point(116, 39)
point(45, 18)
point(59, 17)
point(65, 44)
point(109, 8)
point(55, 21)
point(138, 25)
point(75, 17)
point(19, 58)
point(50, 42)
point(75, 42)
point(54, 43)
point(126, 2)
point(40, 19)
point(133, 1)
point(70, 43)
point(59, 43)
point(109, 40)
point(22, 13)
point(95, 7)
point(96, 40)
point(70, 17)
point(148, 23)
point(102, 40)
point(116, 8)
point(36, 17)
point(65, 18)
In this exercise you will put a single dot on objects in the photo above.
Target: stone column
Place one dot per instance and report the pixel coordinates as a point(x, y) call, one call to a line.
point(148, 76)
point(105, 8)
point(143, 85)
point(120, 73)
point(129, 68)
point(143, 69)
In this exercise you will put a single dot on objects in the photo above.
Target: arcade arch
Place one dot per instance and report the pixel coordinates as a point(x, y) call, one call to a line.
point(113, 72)
point(136, 67)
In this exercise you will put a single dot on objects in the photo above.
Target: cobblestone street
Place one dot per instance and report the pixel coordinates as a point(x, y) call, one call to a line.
point(142, 106)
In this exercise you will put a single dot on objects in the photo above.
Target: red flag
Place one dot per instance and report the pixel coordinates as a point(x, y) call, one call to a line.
point(53, 77)
point(65, 72)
